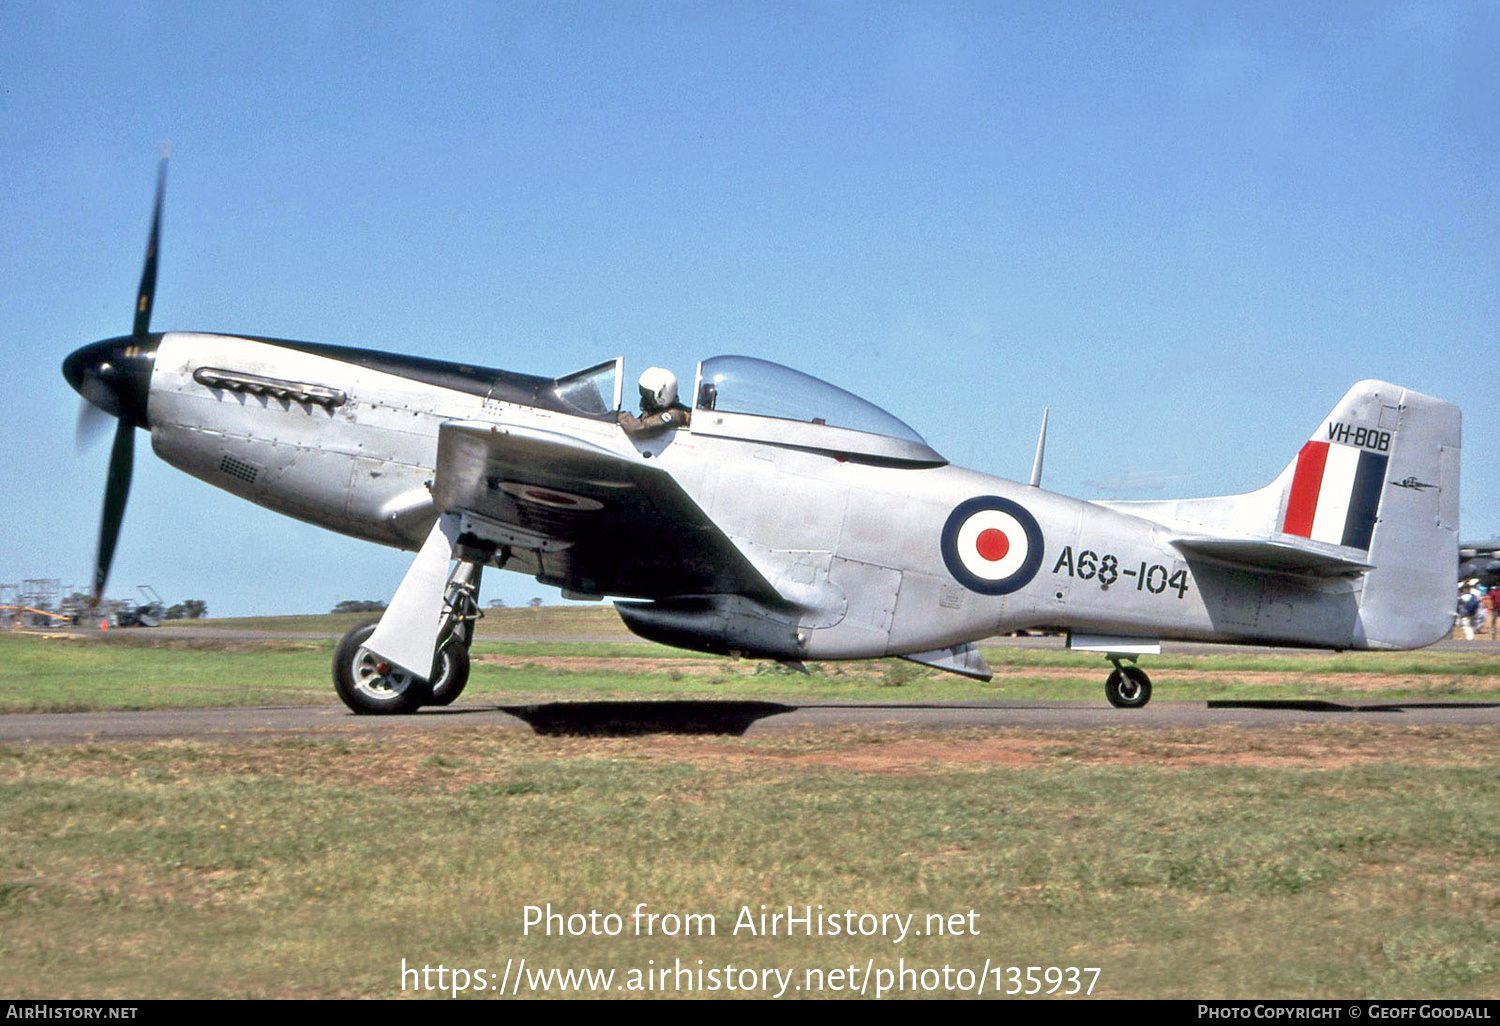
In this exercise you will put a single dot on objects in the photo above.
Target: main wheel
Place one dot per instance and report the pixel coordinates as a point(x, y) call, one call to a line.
point(1128, 687)
point(453, 674)
point(371, 686)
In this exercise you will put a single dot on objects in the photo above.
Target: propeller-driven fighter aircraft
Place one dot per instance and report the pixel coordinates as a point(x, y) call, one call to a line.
point(770, 515)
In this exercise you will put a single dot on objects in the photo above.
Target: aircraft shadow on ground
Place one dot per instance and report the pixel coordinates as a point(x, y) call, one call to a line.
point(629, 719)
point(1322, 705)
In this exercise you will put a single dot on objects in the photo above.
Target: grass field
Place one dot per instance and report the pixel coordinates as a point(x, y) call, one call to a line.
point(1327, 861)
point(1337, 860)
point(140, 669)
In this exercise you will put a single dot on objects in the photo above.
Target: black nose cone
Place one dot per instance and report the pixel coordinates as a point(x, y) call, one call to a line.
point(115, 375)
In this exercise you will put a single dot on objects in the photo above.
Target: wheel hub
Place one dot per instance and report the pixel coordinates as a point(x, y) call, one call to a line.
point(378, 678)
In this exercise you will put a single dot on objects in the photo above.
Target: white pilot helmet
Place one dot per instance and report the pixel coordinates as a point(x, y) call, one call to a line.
point(658, 389)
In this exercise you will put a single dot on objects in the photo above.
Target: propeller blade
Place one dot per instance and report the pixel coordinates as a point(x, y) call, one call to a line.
point(116, 491)
point(146, 295)
point(90, 425)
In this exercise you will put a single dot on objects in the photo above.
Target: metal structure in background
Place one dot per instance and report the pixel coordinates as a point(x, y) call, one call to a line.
point(42, 603)
point(34, 603)
point(41, 593)
point(148, 613)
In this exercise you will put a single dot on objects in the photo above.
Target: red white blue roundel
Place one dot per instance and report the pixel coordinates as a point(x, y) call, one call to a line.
point(992, 545)
point(551, 497)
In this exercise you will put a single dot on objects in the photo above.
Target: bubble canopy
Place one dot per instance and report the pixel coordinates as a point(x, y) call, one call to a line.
point(744, 384)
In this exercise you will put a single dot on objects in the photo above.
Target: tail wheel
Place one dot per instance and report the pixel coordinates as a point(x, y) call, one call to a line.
point(1128, 687)
point(372, 686)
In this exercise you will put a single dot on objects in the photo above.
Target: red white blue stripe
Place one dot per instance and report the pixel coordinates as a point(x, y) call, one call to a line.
point(1335, 494)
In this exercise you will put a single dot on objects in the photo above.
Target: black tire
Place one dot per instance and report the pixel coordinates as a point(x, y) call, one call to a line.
point(363, 687)
point(452, 676)
point(1128, 687)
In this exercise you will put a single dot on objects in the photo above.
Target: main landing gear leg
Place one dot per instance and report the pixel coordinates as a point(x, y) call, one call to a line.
point(417, 653)
point(372, 685)
point(460, 611)
point(1127, 687)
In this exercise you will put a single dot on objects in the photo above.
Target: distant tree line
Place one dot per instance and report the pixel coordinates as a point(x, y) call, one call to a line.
point(356, 606)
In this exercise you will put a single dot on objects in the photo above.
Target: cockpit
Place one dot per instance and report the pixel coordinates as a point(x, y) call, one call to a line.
point(753, 400)
point(743, 384)
point(756, 400)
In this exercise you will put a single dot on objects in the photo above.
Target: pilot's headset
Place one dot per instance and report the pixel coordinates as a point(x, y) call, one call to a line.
point(658, 389)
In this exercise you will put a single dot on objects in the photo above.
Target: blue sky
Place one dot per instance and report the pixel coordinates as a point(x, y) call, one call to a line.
point(1187, 228)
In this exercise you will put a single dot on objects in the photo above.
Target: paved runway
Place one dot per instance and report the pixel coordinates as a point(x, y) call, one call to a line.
point(719, 717)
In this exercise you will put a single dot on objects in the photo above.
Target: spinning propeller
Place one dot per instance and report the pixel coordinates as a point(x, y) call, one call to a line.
point(114, 377)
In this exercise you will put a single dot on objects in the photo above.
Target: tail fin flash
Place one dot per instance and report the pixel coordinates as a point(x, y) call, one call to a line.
point(1381, 475)
point(1336, 487)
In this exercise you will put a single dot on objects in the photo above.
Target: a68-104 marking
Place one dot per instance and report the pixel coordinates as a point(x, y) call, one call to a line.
point(1090, 566)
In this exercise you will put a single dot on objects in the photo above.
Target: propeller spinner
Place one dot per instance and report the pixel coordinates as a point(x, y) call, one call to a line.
point(114, 377)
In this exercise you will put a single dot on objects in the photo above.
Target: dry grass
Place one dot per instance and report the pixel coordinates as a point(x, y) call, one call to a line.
point(1334, 860)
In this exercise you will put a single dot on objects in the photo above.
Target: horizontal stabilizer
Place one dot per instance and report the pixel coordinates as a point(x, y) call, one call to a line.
point(1299, 556)
point(963, 660)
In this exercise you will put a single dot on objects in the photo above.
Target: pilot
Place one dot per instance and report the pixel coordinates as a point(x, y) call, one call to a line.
point(658, 390)
point(660, 409)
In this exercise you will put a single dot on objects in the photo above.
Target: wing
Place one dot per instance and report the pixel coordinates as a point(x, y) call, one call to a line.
point(586, 519)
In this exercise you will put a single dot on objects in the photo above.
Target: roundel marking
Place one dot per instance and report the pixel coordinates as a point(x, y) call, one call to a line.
point(992, 545)
point(550, 497)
